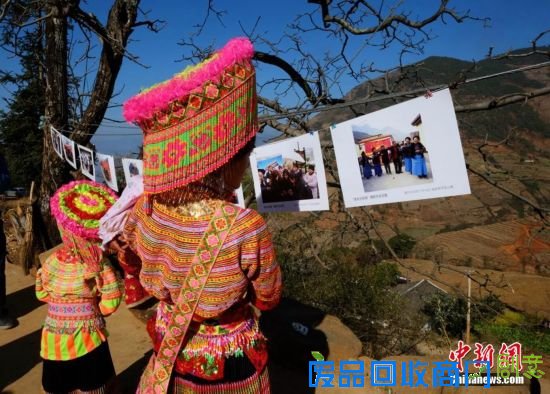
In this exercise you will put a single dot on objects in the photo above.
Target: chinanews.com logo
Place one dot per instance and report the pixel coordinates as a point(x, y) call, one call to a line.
point(509, 367)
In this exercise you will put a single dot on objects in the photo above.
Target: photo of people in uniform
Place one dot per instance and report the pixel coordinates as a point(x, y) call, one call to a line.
point(388, 160)
point(409, 151)
point(290, 172)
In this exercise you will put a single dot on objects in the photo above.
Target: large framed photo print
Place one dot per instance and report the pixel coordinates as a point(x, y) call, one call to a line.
point(289, 175)
point(410, 151)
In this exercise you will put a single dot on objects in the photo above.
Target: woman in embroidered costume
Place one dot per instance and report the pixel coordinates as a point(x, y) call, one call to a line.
point(205, 259)
point(80, 287)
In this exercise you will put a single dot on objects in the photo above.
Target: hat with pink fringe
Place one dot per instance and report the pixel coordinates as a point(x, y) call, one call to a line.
point(197, 121)
point(77, 208)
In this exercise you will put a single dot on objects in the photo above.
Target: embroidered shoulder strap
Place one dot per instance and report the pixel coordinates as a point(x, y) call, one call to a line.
point(191, 289)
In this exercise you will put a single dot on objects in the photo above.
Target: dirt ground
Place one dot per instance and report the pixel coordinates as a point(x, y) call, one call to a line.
point(21, 367)
point(20, 362)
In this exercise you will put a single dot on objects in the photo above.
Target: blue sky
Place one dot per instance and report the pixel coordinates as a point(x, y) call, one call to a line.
point(513, 25)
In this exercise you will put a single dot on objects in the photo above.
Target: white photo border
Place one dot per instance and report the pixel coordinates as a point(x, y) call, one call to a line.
point(126, 167)
point(85, 172)
point(111, 162)
point(440, 136)
point(71, 143)
point(310, 141)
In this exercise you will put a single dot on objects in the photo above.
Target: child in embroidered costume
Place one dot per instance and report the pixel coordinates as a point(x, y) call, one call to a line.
point(206, 260)
point(80, 287)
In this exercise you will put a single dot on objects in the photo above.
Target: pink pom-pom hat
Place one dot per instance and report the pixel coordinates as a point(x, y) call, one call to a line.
point(197, 121)
point(77, 208)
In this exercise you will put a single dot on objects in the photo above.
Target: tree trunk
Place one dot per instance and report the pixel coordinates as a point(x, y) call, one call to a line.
point(54, 170)
point(114, 37)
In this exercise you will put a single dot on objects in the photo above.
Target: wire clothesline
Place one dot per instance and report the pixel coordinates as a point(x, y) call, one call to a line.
point(293, 112)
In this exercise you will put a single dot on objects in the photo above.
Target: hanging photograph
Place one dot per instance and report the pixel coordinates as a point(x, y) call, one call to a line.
point(132, 168)
point(107, 168)
point(56, 142)
point(87, 165)
point(69, 152)
point(238, 197)
point(410, 151)
point(289, 175)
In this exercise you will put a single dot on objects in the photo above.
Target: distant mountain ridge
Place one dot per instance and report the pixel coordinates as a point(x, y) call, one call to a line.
point(437, 70)
point(521, 164)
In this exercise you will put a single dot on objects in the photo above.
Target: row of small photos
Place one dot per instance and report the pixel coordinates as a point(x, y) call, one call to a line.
point(409, 151)
point(66, 149)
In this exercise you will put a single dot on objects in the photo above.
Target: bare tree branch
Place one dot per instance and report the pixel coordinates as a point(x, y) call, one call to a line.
point(540, 210)
point(503, 100)
point(383, 23)
point(295, 76)
point(4, 9)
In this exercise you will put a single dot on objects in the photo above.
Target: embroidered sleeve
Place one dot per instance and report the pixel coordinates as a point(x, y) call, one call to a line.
point(261, 267)
point(41, 293)
point(109, 288)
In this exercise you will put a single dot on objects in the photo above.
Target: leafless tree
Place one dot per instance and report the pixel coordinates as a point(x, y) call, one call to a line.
point(81, 61)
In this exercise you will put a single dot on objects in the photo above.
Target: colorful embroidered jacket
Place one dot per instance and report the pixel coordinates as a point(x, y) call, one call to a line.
point(78, 297)
point(244, 272)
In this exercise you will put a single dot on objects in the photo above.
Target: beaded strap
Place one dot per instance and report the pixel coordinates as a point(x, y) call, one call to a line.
point(191, 290)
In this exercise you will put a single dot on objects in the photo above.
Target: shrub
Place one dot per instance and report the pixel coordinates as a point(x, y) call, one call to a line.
point(402, 244)
point(447, 314)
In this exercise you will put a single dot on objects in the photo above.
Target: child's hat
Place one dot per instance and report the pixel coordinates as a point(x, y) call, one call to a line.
point(78, 206)
point(197, 121)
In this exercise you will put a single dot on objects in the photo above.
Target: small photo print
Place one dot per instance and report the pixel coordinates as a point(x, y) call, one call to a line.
point(107, 169)
point(132, 168)
point(238, 197)
point(87, 165)
point(289, 175)
point(410, 151)
point(69, 151)
point(56, 142)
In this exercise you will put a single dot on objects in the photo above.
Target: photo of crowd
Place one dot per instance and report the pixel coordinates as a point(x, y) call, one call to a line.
point(289, 175)
point(287, 179)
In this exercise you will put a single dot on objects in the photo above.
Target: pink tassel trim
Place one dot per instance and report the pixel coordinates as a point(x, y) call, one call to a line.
point(145, 105)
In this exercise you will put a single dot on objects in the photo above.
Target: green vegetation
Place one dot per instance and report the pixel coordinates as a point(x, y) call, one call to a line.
point(447, 314)
point(20, 137)
point(512, 327)
point(352, 285)
point(402, 244)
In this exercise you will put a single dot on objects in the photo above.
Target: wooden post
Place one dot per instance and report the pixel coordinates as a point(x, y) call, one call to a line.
point(31, 192)
point(468, 309)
